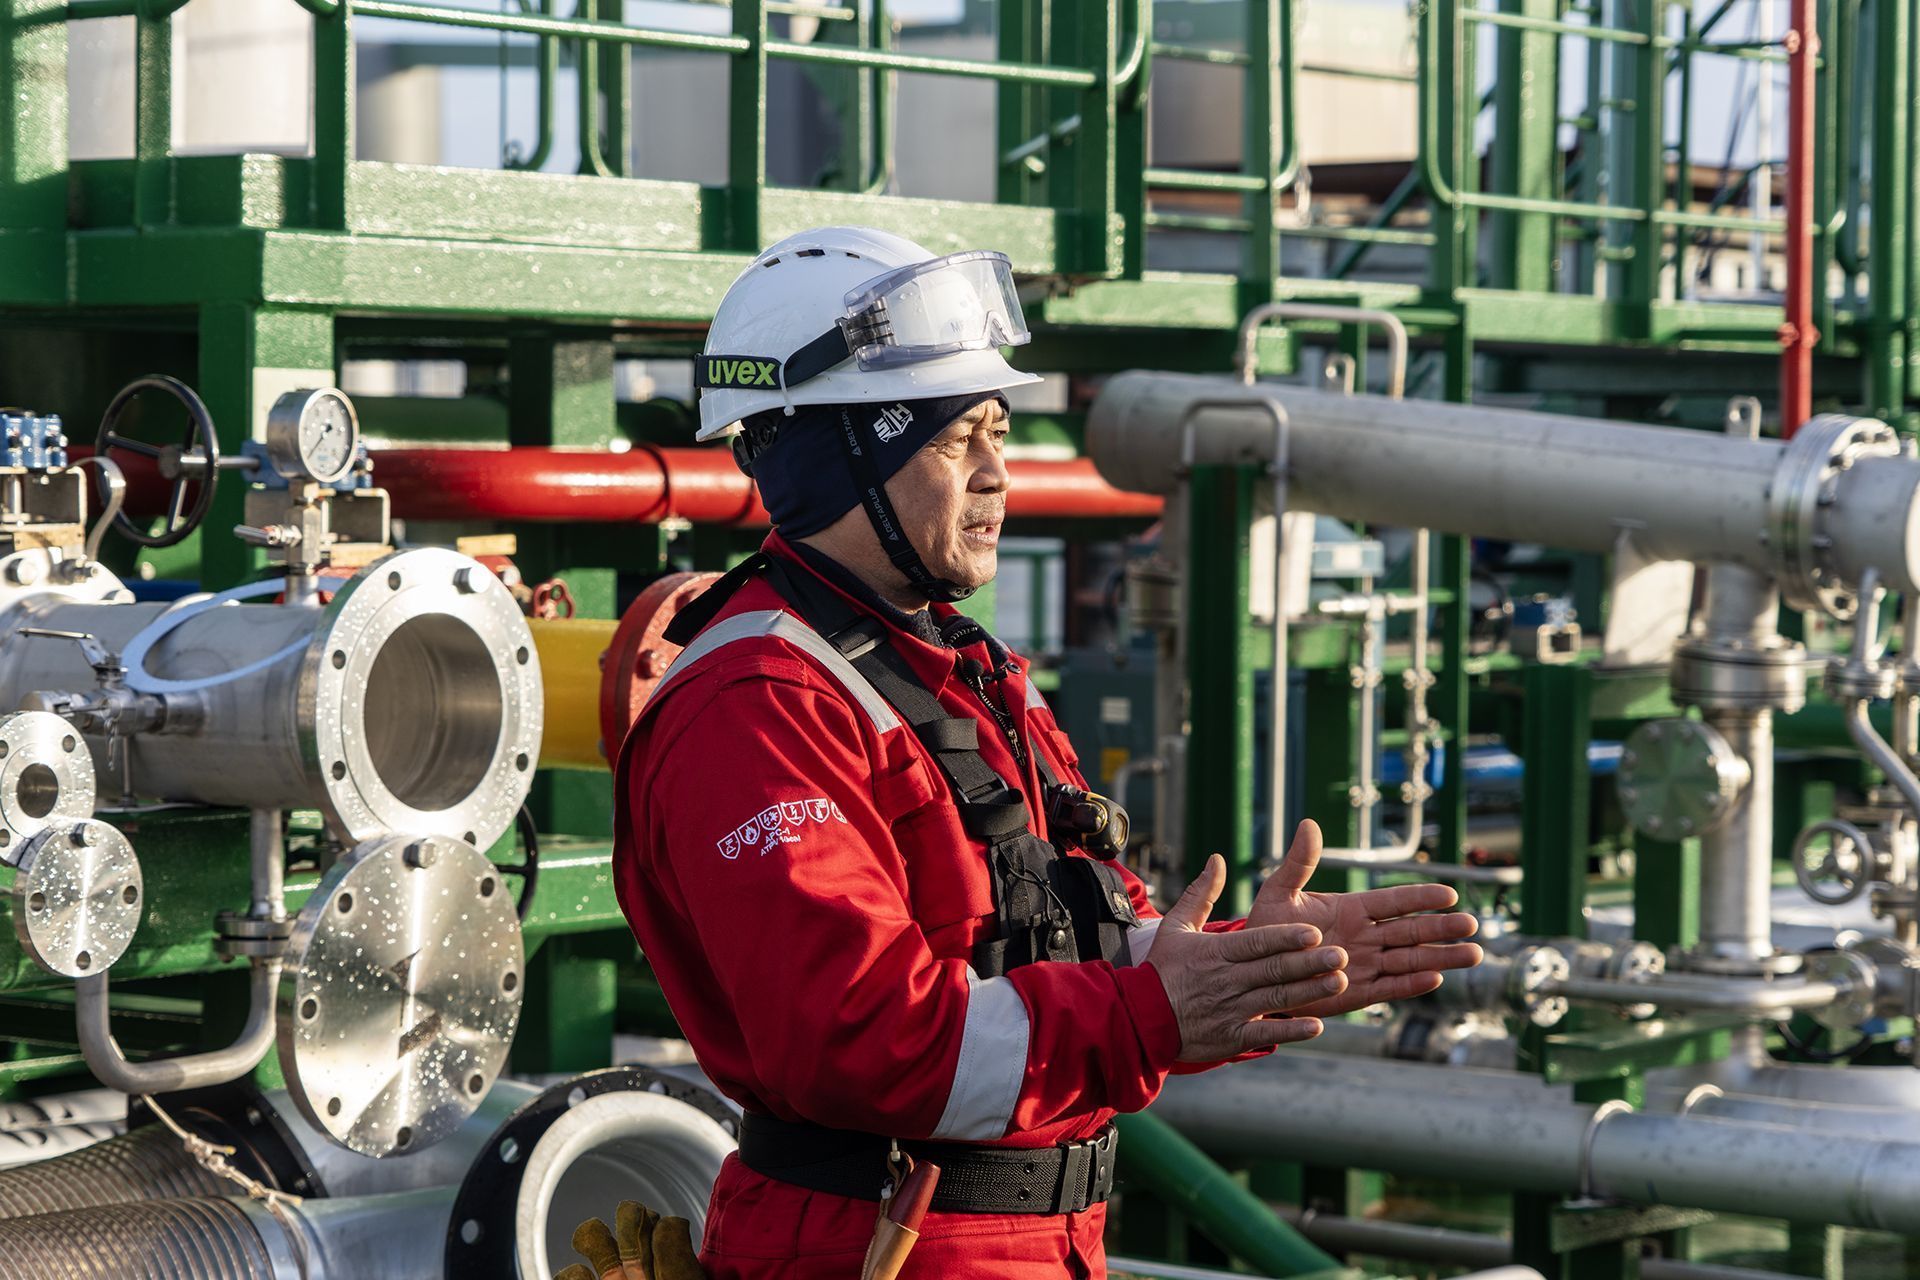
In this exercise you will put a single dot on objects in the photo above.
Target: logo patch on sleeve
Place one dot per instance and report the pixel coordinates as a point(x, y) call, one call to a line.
point(778, 824)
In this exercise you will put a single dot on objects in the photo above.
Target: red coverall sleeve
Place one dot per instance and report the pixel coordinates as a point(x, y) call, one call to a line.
point(798, 894)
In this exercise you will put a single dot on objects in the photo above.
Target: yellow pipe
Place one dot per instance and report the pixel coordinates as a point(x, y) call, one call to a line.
point(570, 650)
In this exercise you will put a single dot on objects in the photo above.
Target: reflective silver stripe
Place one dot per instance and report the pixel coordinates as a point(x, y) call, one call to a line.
point(1034, 701)
point(1140, 939)
point(992, 1066)
point(775, 622)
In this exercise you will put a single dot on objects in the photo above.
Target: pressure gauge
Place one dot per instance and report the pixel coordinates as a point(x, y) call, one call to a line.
point(313, 435)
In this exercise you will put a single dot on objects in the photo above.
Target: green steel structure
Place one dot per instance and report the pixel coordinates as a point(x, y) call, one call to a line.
point(1517, 272)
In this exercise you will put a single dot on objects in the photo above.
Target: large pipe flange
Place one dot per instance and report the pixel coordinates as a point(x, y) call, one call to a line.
point(423, 703)
point(640, 653)
point(46, 778)
point(401, 993)
point(77, 898)
point(1680, 778)
point(1805, 488)
point(575, 1152)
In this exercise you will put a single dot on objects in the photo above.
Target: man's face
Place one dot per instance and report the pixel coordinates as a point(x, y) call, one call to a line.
point(951, 497)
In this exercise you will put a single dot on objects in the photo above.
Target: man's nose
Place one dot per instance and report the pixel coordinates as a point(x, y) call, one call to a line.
point(990, 474)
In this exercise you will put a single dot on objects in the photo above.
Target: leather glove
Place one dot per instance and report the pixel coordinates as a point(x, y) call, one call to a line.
point(641, 1246)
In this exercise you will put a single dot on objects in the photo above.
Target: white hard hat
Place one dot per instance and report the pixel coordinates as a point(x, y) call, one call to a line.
point(869, 315)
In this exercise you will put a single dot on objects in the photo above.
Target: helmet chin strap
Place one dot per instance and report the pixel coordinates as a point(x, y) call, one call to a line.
point(860, 441)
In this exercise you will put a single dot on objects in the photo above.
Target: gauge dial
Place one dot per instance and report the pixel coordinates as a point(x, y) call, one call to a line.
point(313, 435)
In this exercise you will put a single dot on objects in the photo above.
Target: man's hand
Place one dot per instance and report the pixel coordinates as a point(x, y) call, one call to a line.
point(1392, 952)
point(1223, 986)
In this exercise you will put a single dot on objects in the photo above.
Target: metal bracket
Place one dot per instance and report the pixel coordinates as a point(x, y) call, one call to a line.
point(1582, 1226)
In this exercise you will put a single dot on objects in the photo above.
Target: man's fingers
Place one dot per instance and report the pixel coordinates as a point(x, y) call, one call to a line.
point(1290, 995)
point(1410, 931)
point(1196, 904)
point(1406, 899)
point(1398, 960)
point(1287, 966)
point(1359, 995)
point(1261, 941)
point(1270, 1032)
point(1302, 859)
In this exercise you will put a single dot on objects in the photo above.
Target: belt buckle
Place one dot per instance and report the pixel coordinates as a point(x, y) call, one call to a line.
point(1086, 1176)
point(1105, 1149)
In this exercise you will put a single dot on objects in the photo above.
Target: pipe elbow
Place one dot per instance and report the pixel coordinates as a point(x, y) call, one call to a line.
point(193, 1071)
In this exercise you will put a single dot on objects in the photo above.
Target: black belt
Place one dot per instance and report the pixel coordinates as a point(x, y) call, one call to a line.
point(1066, 1178)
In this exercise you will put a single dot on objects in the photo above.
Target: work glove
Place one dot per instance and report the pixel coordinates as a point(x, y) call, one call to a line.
point(641, 1246)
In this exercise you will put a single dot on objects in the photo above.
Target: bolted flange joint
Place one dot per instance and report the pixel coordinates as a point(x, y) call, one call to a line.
point(1800, 500)
point(1849, 680)
point(239, 936)
point(1737, 675)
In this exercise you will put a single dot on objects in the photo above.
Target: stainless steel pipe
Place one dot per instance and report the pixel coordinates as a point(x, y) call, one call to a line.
point(1577, 483)
point(1755, 997)
point(411, 702)
point(1525, 1139)
point(1471, 1248)
point(165, 1075)
point(1736, 861)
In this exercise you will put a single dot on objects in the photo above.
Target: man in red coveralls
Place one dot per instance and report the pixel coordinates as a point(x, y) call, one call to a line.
point(857, 849)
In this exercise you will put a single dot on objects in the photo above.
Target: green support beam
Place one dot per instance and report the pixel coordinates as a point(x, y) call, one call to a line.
point(246, 356)
point(1526, 149)
point(1555, 715)
point(566, 1022)
point(1220, 674)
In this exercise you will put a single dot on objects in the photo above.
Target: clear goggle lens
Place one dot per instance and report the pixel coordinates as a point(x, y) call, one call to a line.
point(962, 302)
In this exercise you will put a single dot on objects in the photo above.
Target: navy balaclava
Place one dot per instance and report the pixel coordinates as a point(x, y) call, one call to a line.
point(816, 464)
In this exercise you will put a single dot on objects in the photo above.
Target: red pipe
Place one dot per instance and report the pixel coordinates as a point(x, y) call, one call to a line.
point(650, 485)
point(643, 486)
point(1797, 335)
point(640, 486)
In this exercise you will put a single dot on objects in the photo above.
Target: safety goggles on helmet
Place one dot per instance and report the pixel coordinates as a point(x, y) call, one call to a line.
point(962, 302)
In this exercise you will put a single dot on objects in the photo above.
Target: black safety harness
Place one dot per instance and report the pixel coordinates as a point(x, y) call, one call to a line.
point(1048, 905)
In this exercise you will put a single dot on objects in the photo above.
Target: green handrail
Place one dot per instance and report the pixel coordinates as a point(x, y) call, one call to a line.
point(1011, 73)
point(547, 75)
point(531, 24)
point(1520, 22)
point(1158, 1157)
point(1196, 53)
point(1198, 180)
